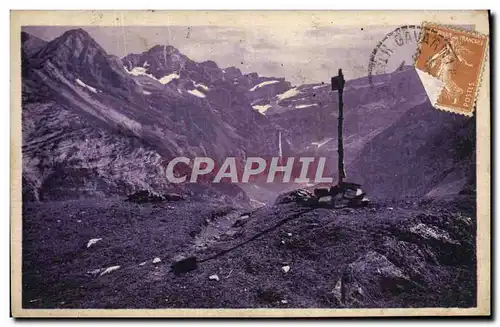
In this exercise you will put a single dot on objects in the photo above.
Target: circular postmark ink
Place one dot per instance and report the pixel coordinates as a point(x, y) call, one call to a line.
point(396, 50)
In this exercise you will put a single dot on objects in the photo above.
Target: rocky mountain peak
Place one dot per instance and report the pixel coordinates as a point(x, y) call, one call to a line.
point(162, 48)
point(77, 40)
point(73, 48)
point(78, 56)
point(210, 64)
point(31, 44)
point(159, 60)
point(232, 72)
point(77, 33)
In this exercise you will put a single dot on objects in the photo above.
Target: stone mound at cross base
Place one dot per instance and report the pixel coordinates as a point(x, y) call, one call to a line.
point(344, 195)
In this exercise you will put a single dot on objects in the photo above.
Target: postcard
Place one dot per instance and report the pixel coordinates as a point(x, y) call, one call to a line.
point(250, 163)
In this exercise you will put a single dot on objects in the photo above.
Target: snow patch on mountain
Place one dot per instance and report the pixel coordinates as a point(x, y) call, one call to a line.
point(137, 71)
point(197, 93)
point(364, 86)
point(262, 109)
point(146, 92)
point(167, 79)
point(203, 86)
point(320, 144)
point(382, 104)
point(288, 94)
point(263, 84)
point(79, 82)
point(306, 105)
point(319, 86)
point(93, 241)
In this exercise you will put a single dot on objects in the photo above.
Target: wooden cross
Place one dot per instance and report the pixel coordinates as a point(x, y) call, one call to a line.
point(338, 83)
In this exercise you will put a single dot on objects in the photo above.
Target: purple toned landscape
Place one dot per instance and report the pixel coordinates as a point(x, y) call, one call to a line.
point(103, 227)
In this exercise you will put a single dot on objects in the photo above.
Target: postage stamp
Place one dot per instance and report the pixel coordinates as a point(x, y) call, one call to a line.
point(456, 59)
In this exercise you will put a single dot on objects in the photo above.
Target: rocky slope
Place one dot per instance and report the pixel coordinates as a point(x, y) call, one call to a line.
point(404, 253)
point(426, 152)
point(31, 44)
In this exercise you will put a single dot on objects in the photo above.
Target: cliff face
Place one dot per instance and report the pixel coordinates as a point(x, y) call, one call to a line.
point(426, 152)
point(309, 112)
point(95, 124)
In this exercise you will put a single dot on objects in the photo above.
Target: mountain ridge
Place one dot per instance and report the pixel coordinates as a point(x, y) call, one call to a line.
point(168, 105)
point(169, 119)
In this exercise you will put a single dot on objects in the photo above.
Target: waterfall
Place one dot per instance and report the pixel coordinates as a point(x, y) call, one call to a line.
point(280, 152)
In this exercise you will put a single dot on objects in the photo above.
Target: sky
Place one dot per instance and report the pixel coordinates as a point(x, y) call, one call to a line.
point(309, 55)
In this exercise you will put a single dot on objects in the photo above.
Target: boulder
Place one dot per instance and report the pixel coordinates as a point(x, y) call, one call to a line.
point(413, 258)
point(447, 249)
point(183, 264)
point(145, 196)
point(214, 277)
point(94, 272)
point(364, 281)
point(320, 192)
point(340, 202)
point(339, 196)
point(93, 241)
point(353, 194)
point(428, 232)
point(239, 223)
point(285, 269)
point(109, 270)
point(299, 196)
point(325, 201)
point(173, 197)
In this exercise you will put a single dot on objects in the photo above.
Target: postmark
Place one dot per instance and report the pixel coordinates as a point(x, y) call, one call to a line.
point(395, 51)
point(450, 62)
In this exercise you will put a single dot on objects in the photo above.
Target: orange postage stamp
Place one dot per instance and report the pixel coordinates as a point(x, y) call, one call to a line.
point(450, 61)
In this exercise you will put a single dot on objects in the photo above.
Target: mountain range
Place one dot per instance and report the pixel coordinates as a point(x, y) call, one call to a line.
point(98, 125)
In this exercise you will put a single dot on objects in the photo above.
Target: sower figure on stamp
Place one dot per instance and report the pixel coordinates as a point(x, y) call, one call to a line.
point(446, 62)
